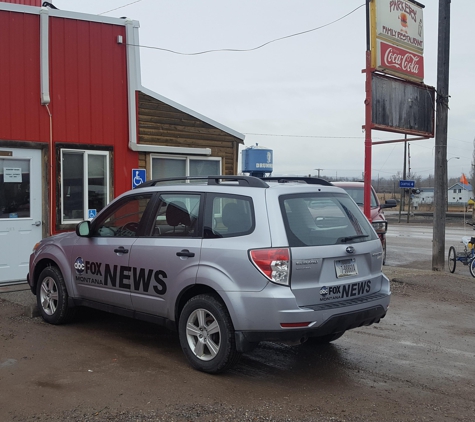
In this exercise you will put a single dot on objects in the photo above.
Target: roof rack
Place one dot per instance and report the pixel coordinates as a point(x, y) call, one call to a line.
point(249, 181)
point(308, 180)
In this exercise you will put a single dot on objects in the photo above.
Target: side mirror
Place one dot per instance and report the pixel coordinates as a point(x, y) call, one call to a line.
point(83, 229)
point(390, 203)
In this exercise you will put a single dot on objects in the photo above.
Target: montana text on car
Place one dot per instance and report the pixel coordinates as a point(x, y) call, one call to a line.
point(226, 261)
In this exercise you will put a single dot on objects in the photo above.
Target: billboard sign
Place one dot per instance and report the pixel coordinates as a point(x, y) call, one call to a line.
point(402, 106)
point(401, 23)
point(400, 62)
point(397, 38)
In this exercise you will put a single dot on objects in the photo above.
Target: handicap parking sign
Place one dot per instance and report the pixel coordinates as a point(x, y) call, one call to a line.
point(91, 213)
point(138, 177)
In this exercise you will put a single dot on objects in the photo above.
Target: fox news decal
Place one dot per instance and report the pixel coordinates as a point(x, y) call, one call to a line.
point(345, 291)
point(398, 41)
point(122, 277)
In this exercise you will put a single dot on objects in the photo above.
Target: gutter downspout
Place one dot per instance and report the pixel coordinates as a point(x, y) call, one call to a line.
point(45, 101)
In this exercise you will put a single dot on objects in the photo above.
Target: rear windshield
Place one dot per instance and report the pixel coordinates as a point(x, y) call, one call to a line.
point(324, 219)
point(357, 194)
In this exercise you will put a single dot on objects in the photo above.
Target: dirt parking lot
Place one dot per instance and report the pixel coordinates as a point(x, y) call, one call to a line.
point(418, 364)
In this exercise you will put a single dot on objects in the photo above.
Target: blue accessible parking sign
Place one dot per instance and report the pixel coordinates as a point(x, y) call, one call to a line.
point(138, 177)
point(407, 183)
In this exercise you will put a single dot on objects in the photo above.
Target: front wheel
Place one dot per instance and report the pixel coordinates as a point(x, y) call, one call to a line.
point(471, 267)
point(52, 296)
point(452, 260)
point(207, 335)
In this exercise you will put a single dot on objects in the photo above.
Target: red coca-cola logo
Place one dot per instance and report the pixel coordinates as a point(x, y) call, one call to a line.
point(402, 61)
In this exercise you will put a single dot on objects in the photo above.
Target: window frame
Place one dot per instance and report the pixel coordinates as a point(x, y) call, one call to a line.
point(187, 159)
point(85, 154)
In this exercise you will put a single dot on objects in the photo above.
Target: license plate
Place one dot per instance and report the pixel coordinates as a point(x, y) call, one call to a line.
point(346, 267)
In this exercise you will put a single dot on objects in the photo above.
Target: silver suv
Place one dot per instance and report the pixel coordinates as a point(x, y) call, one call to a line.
point(227, 261)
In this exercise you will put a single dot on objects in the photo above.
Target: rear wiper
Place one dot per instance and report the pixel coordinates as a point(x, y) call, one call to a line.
point(350, 238)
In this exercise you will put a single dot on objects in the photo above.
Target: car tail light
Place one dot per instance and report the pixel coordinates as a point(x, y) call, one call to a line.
point(380, 226)
point(273, 263)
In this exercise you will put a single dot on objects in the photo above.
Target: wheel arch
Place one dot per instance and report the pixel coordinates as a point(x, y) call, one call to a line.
point(43, 263)
point(192, 291)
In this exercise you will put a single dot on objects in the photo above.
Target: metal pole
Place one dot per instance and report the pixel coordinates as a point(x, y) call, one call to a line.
point(440, 162)
point(402, 201)
point(368, 121)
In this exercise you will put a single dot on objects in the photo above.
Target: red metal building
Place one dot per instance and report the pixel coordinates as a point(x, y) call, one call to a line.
point(71, 131)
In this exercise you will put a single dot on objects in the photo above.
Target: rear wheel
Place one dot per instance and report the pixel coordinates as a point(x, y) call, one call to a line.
point(452, 260)
point(471, 267)
point(52, 296)
point(207, 335)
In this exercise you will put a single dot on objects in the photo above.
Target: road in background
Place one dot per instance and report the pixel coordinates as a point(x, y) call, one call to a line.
point(410, 245)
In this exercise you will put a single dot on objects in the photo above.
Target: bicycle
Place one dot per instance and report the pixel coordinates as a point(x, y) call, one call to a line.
point(465, 256)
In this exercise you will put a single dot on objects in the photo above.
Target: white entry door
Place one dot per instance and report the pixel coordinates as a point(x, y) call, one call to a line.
point(20, 210)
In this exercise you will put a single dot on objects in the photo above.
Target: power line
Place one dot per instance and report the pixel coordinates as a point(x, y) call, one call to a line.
point(120, 7)
point(248, 49)
point(304, 136)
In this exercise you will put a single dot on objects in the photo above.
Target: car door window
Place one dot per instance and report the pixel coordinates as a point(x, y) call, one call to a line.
point(177, 216)
point(124, 219)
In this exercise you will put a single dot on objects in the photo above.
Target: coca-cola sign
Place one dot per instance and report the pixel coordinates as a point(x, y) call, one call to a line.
point(398, 60)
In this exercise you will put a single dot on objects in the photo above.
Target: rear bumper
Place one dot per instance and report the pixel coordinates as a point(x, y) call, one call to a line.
point(247, 340)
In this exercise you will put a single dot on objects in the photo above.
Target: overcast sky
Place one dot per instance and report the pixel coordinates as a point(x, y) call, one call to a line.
point(303, 95)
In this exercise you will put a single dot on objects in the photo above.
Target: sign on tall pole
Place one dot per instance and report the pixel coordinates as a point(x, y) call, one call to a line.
point(396, 98)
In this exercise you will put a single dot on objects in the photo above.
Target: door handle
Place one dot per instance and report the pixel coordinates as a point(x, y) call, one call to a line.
point(37, 223)
point(121, 249)
point(185, 252)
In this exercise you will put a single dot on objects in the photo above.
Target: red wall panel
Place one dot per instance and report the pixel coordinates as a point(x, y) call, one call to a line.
point(26, 2)
point(88, 87)
point(89, 90)
point(21, 115)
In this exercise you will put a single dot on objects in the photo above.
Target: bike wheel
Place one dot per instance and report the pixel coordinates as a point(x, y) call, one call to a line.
point(471, 267)
point(452, 260)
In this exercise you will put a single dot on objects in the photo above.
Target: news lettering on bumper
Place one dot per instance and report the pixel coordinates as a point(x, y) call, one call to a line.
point(345, 291)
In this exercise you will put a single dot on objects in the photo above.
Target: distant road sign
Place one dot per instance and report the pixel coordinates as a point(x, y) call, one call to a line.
point(407, 183)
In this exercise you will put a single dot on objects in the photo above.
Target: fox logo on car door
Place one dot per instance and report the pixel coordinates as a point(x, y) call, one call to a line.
point(124, 277)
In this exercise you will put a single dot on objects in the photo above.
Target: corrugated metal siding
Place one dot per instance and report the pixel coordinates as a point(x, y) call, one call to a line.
point(162, 124)
point(88, 87)
point(36, 3)
point(89, 90)
point(21, 116)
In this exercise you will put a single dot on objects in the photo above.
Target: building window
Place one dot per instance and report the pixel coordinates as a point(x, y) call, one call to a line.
point(84, 184)
point(175, 166)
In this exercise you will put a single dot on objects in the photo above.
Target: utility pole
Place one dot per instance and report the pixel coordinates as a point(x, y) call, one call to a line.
point(440, 163)
point(402, 202)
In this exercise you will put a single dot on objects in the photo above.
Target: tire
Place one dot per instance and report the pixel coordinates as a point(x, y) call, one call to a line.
point(52, 297)
point(316, 341)
point(384, 253)
point(471, 267)
point(207, 335)
point(452, 260)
